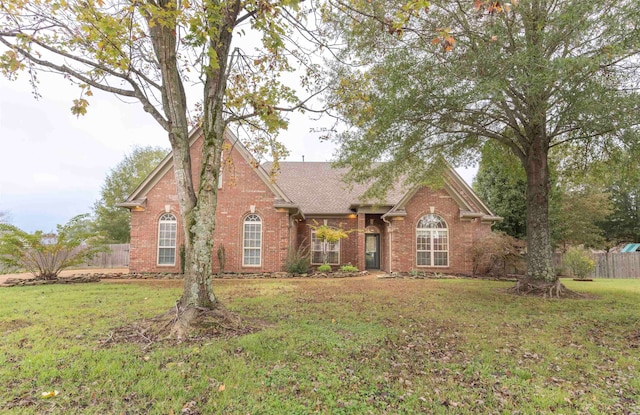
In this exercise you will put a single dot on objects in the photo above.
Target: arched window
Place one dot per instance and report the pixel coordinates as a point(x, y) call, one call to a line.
point(252, 241)
point(167, 227)
point(432, 242)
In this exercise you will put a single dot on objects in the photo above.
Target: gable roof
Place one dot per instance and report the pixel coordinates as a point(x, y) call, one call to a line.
point(138, 197)
point(316, 188)
point(471, 207)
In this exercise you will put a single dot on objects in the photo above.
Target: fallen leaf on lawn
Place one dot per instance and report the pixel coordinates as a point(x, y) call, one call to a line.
point(50, 394)
point(221, 388)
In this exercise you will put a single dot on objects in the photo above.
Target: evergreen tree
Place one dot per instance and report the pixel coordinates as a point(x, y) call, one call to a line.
point(113, 221)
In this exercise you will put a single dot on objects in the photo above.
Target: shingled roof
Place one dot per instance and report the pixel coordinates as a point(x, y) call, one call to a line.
point(317, 188)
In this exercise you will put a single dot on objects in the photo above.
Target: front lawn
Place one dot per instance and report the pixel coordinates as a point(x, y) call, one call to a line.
point(342, 346)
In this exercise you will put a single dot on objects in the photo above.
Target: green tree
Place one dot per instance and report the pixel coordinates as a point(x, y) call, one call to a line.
point(623, 224)
point(577, 219)
point(46, 254)
point(113, 221)
point(154, 52)
point(501, 183)
point(421, 84)
point(621, 177)
point(577, 203)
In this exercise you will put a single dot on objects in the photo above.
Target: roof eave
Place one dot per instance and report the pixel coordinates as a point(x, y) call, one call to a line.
point(132, 204)
point(491, 218)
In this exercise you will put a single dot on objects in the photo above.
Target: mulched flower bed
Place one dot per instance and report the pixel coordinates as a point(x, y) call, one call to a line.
point(85, 278)
point(74, 279)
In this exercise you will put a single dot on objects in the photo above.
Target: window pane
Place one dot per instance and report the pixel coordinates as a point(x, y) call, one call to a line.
point(441, 258)
point(166, 256)
point(333, 258)
point(440, 241)
point(251, 257)
point(423, 241)
point(316, 257)
point(424, 258)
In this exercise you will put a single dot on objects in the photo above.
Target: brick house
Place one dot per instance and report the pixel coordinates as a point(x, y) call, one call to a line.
point(259, 219)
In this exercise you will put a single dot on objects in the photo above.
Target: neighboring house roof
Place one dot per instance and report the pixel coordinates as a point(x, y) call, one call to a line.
point(316, 188)
point(631, 248)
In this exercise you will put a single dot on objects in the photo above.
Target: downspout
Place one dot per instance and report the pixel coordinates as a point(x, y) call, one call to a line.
point(390, 233)
point(292, 222)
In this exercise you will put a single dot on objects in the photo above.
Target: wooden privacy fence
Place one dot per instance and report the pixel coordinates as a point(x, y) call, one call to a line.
point(612, 265)
point(116, 257)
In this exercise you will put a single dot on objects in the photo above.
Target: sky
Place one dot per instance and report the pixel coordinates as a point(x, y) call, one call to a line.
point(53, 164)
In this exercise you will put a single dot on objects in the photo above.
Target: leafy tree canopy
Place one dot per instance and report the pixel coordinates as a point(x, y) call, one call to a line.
point(122, 180)
point(615, 171)
point(577, 205)
point(501, 183)
point(416, 84)
point(157, 52)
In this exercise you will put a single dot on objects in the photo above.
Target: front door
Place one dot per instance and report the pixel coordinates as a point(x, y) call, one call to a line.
point(372, 250)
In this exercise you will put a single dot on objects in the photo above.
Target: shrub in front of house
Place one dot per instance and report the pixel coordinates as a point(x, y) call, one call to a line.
point(497, 254)
point(298, 261)
point(324, 268)
point(348, 268)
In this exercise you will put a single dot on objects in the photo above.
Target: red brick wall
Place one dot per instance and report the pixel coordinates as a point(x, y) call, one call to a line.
point(241, 189)
point(348, 247)
point(462, 233)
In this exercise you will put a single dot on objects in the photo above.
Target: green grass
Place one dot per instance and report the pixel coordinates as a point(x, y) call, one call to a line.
point(328, 346)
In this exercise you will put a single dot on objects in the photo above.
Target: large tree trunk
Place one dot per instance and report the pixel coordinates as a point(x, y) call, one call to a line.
point(539, 252)
point(198, 289)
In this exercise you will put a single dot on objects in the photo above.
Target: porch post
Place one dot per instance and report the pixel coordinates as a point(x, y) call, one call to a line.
point(362, 223)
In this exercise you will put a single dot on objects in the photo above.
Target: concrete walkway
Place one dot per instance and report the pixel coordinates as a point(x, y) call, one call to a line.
point(68, 272)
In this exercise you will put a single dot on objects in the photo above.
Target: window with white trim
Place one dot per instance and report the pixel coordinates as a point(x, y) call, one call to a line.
point(252, 241)
point(318, 250)
point(432, 242)
point(167, 228)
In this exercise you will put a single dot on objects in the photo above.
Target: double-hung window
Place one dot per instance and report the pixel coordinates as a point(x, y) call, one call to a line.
point(323, 252)
point(252, 241)
point(167, 227)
